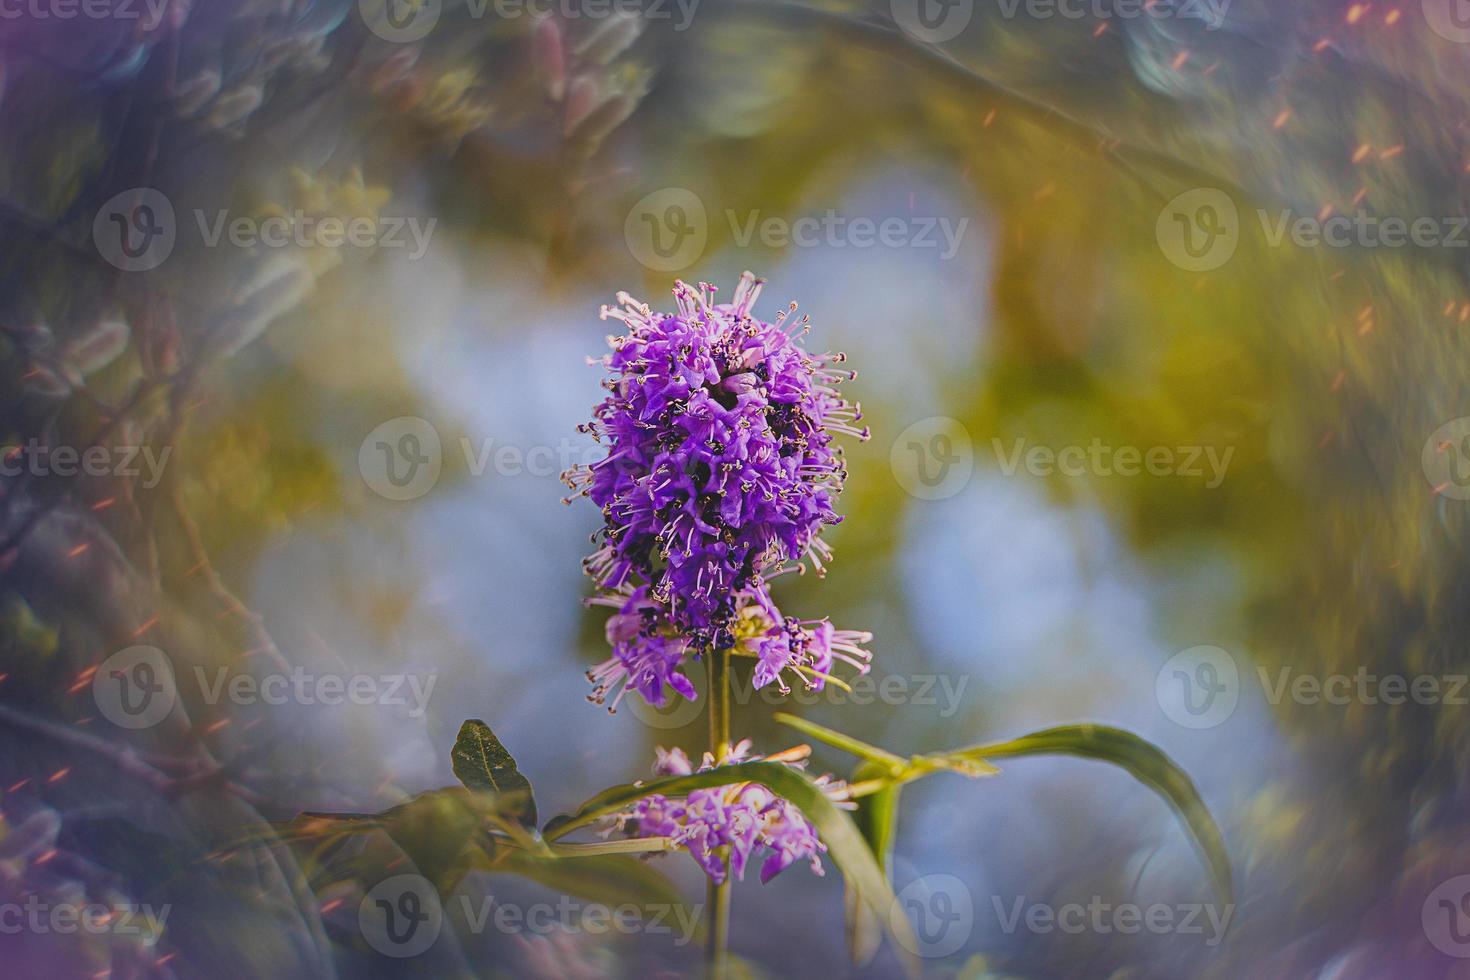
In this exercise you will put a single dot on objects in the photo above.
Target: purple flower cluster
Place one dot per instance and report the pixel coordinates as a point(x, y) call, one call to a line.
point(722, 827)
point(649, 651)
point(720, 470)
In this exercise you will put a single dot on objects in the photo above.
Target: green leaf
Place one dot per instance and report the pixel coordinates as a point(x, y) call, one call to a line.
point(605, 879)
point(1147, 763)
point(877, 821)
point(845, 843)
point(481, 763)
point(445, 835)
point(887, 762)
point(886, 765)
point(442, 832)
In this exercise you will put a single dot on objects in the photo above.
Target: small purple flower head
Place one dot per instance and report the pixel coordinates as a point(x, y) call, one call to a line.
point(720, 464)
point(805, 648)
point(646, 656)
point(724, 826)
point(649, 653)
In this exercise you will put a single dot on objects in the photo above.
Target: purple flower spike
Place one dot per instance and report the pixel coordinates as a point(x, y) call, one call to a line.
point(720, 465)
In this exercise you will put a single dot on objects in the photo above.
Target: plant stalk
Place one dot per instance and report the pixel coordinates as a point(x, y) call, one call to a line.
point(717, 897)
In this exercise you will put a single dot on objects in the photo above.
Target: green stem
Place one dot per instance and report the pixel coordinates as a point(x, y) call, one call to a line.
point(717, 897)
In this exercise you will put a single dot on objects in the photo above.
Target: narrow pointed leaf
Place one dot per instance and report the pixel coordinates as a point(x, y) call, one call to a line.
point(877, 820)
point(1147, 763)
point(846, 743)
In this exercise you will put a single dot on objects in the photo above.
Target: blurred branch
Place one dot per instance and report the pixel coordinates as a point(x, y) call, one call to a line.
point(883, 35)
point(264, 642)
point(170, 776)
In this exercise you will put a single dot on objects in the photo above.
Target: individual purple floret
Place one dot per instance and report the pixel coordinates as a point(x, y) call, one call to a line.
point(806, 648)
point(647, 652)
point(720, 463)
point(723, 827)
